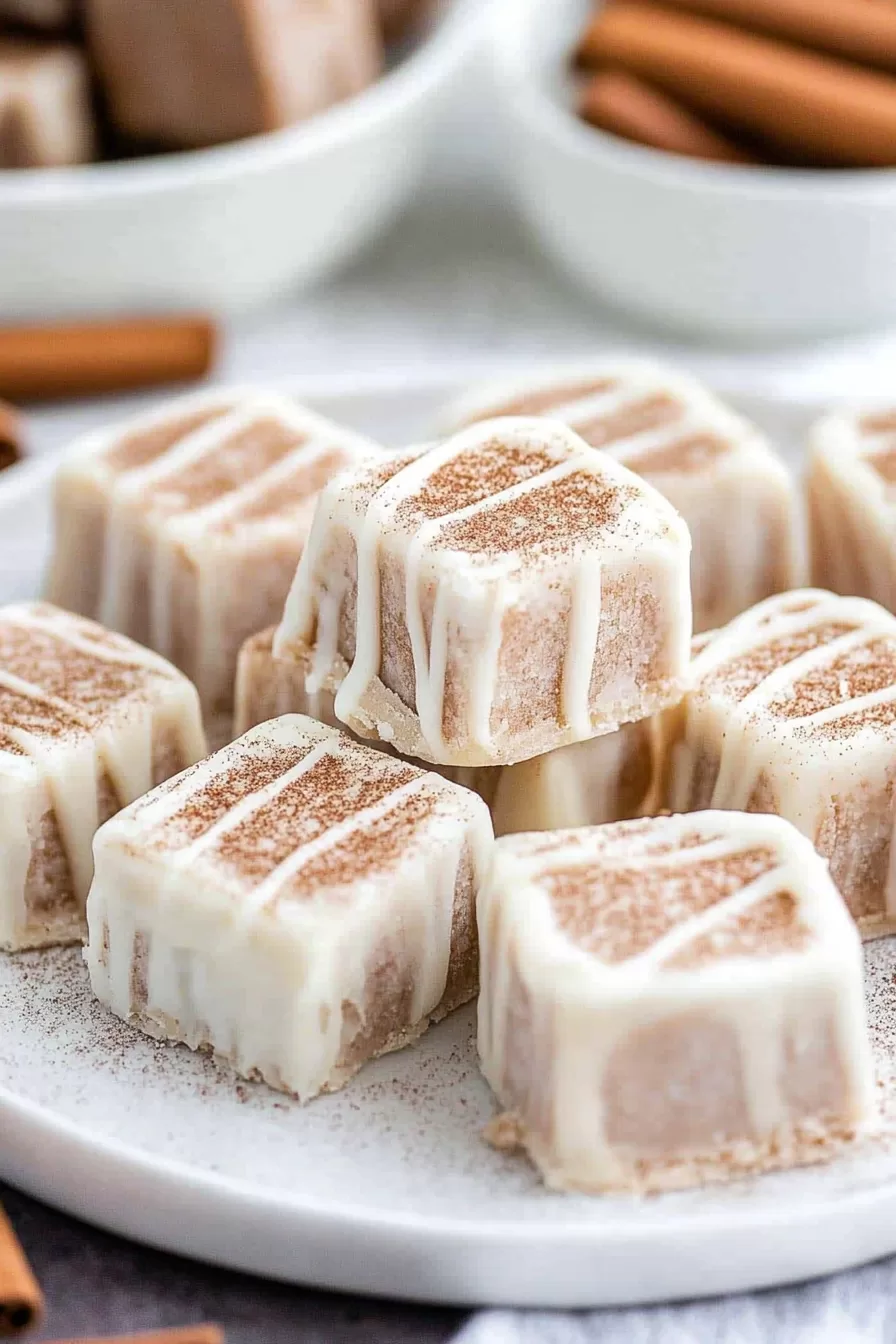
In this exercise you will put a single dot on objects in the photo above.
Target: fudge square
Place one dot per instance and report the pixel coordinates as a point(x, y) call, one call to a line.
point(46, 120)
point(214, 70)
point(89, 721)
point(493, 597)
point(852, 518)
point(670, 1000)
point(717, 469)
point(793, 711)
point(183, 528)
point(607, 778)
point(297, 903)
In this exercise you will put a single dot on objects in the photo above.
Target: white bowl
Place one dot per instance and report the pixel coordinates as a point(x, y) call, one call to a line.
point(230, 227)
point(741, 251)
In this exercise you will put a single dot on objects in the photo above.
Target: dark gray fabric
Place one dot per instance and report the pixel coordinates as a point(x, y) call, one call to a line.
point(96, 1284)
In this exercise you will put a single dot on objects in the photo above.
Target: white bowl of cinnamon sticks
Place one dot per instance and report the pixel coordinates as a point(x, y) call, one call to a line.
point(223, 227)
point(712, 166)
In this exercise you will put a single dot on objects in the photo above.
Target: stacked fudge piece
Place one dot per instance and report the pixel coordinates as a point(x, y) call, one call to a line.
point(492, 633)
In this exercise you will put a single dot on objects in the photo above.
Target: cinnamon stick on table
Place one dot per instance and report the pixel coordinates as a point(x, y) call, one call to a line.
point(623, 105)
point(12, 436)
point(188, 1334)
point(797, 100)
point(40, 363)
point(21, 1301)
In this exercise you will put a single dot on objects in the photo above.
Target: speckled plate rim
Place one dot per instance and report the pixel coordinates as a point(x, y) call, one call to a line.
point(551, 1263)
point(223, 1221)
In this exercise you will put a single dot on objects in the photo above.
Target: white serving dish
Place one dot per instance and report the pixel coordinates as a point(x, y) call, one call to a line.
point(231, 227)
point(387, 1186)
point(743, 252)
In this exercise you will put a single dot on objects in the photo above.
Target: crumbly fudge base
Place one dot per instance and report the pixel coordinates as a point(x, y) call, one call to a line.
point(382, 716)
point(876, 926)
point(802, 1145)
point(61, 931)
point(161, 1027)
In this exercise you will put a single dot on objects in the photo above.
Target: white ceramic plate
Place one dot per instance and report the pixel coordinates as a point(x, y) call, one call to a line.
point(386, 1187)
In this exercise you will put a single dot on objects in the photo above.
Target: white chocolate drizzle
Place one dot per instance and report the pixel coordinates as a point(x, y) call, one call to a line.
point(458, 590)
point(232, 928)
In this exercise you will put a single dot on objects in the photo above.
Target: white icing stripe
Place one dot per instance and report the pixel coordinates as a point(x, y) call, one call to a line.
point(29, 690)
point(267, 890)
point(165, 803)
point(776, 683)
point(303, 456)
point(584, 630)
point(580, 857)
point(434, 606)
point(64, 628)
point(847, 708)
point(249, 804)
point(840, 798)
point(779, 878)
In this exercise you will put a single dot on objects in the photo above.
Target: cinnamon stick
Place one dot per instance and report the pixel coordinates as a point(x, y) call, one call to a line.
point(41, 363)
point(624, 105)
point(12, 436)
point(859, 32)
point(188, 1334)
point(804, 103)
point(21, 1301)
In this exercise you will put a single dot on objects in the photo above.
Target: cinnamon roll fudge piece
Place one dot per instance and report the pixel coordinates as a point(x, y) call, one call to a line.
point(46, 120)
point(183, 528)
point(852, 513)
point(670, 1000)
point(297, 903)
point(717, 469)
point(89, 721)
point(217, 70)
point(793, 711)
point(608, 778)
point(483, 601)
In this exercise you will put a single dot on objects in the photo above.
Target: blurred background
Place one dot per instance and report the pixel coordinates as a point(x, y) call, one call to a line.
point(388, 191)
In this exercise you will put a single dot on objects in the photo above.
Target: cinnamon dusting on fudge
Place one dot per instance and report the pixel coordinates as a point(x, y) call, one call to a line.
point(331, 792)
point(575, 508)
point(615, 912)
point(234, 463)
point(552, 398)
point(470, 478)
point(374, 846)
point(139, 448)
point(686, 455)
point(632, 418)
point(864, 670)
point(742, 674)
point(772, 927)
